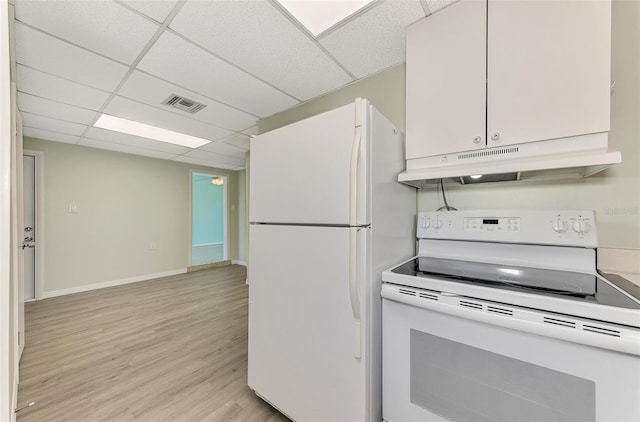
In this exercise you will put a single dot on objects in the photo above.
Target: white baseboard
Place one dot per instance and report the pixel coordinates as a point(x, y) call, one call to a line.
point(236, 262)
point(111, 283)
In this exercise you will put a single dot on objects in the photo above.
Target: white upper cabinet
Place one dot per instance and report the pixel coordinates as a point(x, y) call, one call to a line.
point(446, 81)
point(507, 72)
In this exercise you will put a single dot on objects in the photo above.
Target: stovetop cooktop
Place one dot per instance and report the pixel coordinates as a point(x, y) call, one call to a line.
point(574, 286)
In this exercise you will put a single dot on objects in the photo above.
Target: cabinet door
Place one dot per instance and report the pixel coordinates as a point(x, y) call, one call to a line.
point(548, 69)
point(446, 81)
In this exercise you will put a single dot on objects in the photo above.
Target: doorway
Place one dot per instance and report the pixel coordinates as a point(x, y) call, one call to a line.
point(208, 218)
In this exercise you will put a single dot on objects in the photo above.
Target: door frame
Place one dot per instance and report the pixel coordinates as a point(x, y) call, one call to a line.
point(39, 204)
point(225, 211)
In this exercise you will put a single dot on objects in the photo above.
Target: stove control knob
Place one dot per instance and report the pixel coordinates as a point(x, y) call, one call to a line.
point(559, 226)
point(426, 222)
point(581, 226)
point(437, 223)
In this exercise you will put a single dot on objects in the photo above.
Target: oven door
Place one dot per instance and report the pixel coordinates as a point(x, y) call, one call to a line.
point(439, 366)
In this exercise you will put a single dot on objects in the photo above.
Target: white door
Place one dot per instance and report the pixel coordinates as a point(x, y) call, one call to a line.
point(29, 233)
point(305, 167)
point(301, 326)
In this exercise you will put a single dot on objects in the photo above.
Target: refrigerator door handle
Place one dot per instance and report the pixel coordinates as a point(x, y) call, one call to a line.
point(353, 231)
point(353, 290)
point(355, 157)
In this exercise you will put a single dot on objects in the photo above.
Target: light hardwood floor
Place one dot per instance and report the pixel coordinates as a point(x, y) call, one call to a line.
point(174, 348)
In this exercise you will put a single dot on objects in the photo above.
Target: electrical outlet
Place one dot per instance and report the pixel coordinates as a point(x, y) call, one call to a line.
point(73, 208)
point(153, 246)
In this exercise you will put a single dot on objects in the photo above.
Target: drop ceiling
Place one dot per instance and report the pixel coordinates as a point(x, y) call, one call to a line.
point(245, 60)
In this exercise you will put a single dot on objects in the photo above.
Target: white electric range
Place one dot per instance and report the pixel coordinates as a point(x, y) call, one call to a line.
point(503, 316)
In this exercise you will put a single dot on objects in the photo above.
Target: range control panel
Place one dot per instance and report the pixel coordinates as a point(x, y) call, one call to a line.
point(544, 227)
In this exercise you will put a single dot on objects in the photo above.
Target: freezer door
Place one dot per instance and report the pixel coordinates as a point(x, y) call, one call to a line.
point(301, 173)
point(301, 326)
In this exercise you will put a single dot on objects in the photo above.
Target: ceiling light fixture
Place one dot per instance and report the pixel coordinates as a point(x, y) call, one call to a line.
point(217, 180)
point(319, 15)
point(147, 131)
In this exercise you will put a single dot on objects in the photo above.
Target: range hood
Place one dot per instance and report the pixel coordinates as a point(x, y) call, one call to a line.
point(574, 157)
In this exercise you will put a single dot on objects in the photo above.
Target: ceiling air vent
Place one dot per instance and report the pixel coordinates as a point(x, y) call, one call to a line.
point(183, 104)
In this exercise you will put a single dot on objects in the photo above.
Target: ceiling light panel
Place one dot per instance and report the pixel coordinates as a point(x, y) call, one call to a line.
point(59, 58)
point(143, 113)
point(110, 136)
point(51, 87)
point(178, 61)
point(101, 26)
point(318, 16)
point(158, 10)
point(53, 125)
point(94, 143)
point(147, 131)
point(152, 91)
point(37, 105)
point(49, 136)
point(269, 45)
point(375, 40)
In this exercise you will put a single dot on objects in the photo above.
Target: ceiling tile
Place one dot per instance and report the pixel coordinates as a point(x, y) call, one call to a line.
point(375, 40)
point(101, 26)
point(268, 46)
point(435, 5)
point(49, 136)
point(42, 85)
point(43, 52)
point(53, 125)
point(208, 163)
point(251, 131)
point(239, 140)
point(212, 157)
point(184, 64)
point(134, 141)
point(125, 148)
point(37, 105)
point(224, 148)
point(153, 91)
point(155, 9)
point(132, 110)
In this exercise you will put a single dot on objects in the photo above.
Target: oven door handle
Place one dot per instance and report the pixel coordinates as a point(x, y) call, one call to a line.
point(450, 304)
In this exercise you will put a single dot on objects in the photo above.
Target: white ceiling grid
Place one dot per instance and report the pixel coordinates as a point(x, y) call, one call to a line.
point(245, 60)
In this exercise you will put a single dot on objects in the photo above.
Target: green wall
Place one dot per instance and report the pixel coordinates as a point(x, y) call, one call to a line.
point(124, 203)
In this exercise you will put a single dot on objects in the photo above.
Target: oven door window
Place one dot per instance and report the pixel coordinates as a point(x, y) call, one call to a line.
point(464, 383)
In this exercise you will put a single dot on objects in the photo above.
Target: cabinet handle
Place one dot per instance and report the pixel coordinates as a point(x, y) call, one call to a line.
point(477, 140)
point(495, 136)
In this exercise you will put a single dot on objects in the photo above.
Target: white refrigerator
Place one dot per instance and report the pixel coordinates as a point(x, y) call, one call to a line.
point(327, 216)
